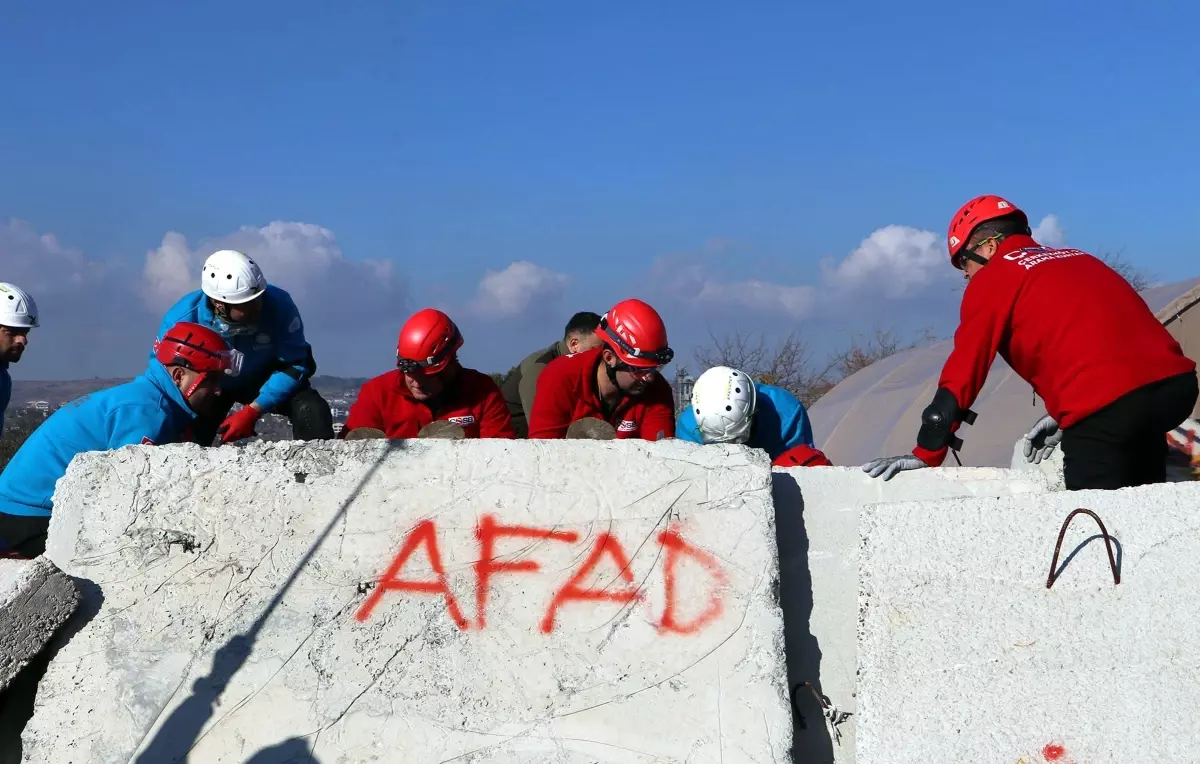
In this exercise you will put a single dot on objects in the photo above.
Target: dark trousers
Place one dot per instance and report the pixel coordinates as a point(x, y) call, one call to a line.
point(23, 534)
point(309, 413)
point(1125, 443)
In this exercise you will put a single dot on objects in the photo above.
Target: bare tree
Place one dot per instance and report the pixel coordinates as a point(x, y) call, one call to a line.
point(1138, 278)
point(879, 345)
point(788, 365)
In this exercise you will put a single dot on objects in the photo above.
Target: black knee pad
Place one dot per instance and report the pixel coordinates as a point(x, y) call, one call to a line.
point(311, 417)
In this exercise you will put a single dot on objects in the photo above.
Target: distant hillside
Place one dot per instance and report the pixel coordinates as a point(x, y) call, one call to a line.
point(58, 391)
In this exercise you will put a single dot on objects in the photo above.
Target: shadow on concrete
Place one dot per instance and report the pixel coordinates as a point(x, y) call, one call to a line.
point(291, 751)
point(1118, 553)
point(180, 731)
point(811, 743)
point(16, 701)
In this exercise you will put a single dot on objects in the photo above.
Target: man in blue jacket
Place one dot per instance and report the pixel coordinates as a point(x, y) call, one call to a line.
point(18, 314)
point(727, 406)
point(263, 323)
point(155, 408)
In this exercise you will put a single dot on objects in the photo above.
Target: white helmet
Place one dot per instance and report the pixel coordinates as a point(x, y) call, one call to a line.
point(723, 401)
point(17, 308)
point(232, 276)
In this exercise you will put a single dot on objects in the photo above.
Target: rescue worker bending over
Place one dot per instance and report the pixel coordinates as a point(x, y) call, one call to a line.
point(18, 314)
point(262, 322)
point(185, 372)
point(430, 384)
point(519, 388)
point(619, 382)
point(1113, 379)
point(729, 407)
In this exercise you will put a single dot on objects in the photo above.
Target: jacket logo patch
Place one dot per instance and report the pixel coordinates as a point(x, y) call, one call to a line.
point(462, 421)
point(626, 426)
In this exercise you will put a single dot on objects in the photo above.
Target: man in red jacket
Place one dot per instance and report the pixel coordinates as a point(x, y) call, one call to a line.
point(430, 384)
point(618, 382)
point(1113, 379)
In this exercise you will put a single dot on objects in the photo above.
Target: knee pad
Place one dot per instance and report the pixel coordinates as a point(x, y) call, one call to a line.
point(311, 417)
point(937, 420)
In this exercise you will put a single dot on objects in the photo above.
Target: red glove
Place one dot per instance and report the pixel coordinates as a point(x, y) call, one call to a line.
point(239, 424)
point(802, 456)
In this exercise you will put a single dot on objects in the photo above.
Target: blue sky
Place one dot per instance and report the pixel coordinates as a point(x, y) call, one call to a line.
point(725, 161)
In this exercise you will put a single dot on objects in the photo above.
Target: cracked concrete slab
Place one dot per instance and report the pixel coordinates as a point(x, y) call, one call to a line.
point(965, 655)
point(419, 601)
point(35, 599)
point(817, 521)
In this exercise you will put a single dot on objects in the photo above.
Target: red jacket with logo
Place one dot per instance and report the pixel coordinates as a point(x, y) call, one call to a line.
point(472, 400)
point(1068, 324)
point(566, 392)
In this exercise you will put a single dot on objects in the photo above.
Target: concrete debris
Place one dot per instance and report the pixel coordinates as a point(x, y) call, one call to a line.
point(817, 521)
point(419, 601)
point(966, 655)
point(35, 599)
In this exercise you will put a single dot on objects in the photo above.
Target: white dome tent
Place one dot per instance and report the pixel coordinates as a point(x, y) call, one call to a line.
point(877, 411)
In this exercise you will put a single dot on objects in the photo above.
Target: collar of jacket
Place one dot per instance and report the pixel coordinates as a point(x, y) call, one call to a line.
point(158, 376)
point(1013, 243)
point(208, 317)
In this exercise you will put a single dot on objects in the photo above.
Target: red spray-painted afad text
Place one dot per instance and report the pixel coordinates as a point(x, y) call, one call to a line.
point(606, 554)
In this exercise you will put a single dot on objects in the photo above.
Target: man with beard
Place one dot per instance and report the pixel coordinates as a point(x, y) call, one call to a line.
point(18, 314)
point(619, 382)
point(185, 372)
point(262, 322)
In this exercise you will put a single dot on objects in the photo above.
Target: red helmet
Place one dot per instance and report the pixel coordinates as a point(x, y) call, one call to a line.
point(978, 210)
point(636, 333)
point(198, 348)
point(428, 340)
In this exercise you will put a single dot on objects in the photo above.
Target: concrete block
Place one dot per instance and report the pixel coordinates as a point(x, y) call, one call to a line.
point(965, 655)
point(1051, 467)
point(419, 601)
point(817, 521)
point(35, 599)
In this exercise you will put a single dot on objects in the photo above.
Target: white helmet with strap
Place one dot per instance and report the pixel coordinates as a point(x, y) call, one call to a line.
point(231, 276)
point(17, 308)
point(723, 400)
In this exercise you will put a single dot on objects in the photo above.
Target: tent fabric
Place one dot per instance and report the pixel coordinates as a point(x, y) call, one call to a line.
point(877, 411)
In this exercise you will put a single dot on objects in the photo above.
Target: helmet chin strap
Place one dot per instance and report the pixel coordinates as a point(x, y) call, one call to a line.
point(226, 326)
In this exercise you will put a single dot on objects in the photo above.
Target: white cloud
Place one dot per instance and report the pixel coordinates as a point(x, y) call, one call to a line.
point(895, 261)
point(302, 258)
point(512, 291)
point(1049, 232)
point(42, 266)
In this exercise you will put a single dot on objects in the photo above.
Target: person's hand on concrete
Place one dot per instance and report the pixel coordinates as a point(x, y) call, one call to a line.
point(888, 466)
point(239, 424)
point(1040, 441)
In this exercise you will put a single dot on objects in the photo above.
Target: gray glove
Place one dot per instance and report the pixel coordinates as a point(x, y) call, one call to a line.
point(1040, 441)
point(888, 466)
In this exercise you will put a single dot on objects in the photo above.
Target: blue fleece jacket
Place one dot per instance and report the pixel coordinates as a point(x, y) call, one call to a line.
point(780, 422)
point(274, 350)
point(148, 409)
point(5, 392)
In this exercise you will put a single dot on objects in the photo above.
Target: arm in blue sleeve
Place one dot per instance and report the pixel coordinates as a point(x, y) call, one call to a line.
point(138, 423)
point(293, 355)
point(685, 426)
point(796, 430)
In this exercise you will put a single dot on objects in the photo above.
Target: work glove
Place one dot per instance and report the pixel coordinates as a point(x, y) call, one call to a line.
point(239, 424)
point(1040, 441)
point(888, 466)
